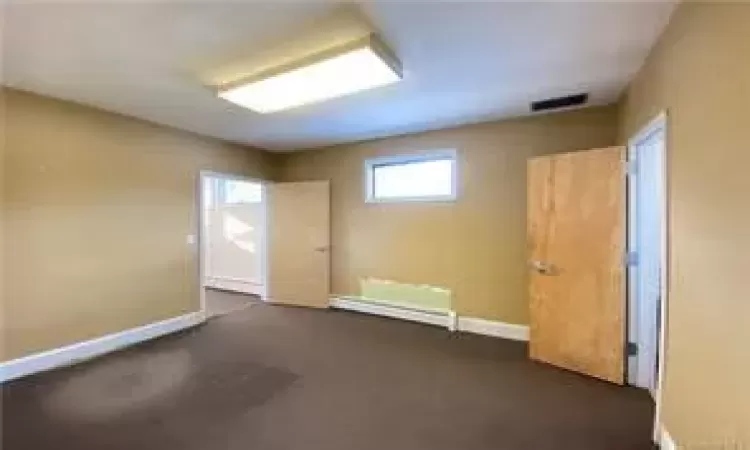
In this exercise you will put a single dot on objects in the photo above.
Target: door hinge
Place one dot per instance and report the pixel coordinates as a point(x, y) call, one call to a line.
point(631, 349)
point(631, 259)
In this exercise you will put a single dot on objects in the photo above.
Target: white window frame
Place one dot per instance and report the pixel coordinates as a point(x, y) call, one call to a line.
point(445, 154)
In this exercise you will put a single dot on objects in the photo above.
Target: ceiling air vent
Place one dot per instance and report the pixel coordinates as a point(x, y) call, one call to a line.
point(559, 102)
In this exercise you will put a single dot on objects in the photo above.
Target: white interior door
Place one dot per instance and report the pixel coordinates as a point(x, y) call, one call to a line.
point(646, 243)
point(234, 234)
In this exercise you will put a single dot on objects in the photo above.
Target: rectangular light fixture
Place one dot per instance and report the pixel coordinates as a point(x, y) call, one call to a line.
point(357, 66)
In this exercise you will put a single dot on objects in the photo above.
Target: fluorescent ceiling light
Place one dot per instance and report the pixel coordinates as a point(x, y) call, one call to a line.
point(364, 64)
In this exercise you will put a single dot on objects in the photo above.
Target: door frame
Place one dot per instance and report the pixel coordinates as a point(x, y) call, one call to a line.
point(202, 241)
point(658, 123)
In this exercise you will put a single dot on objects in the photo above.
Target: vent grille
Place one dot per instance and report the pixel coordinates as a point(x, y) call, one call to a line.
point(559, 102)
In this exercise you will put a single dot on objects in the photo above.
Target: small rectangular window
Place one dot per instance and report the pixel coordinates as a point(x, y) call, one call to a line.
point(424, 177)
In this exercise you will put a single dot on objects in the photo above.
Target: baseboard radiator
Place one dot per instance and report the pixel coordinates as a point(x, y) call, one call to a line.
point(438, 317)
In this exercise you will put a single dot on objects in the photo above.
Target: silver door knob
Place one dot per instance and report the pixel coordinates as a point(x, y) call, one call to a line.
point(321, 249)
point(542, 267)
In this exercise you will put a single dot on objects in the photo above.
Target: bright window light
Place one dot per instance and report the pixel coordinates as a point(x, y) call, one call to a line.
point(242, 192)
point(429, 177)
point(353, 70)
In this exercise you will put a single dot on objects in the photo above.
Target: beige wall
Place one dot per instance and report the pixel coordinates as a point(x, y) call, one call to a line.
point(476, 246)
point(97, 208)
point(700, 73)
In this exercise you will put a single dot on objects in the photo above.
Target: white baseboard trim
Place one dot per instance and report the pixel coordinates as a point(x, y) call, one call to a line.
point(432, 317)
point(71, 354)
point(235, 285)
point(493, 328)
point(666, 442)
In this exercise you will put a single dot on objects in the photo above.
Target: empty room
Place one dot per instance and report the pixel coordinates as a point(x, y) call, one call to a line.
point(361, 225)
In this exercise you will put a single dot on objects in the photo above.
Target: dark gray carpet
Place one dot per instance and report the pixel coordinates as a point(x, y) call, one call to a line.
point(220, 302)
point(275, 378)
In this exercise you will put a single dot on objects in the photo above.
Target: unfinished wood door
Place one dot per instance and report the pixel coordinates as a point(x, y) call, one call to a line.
point(299, 243)
point(577, 242)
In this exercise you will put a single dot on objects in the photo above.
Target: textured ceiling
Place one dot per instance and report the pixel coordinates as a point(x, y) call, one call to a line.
point(463, 62)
